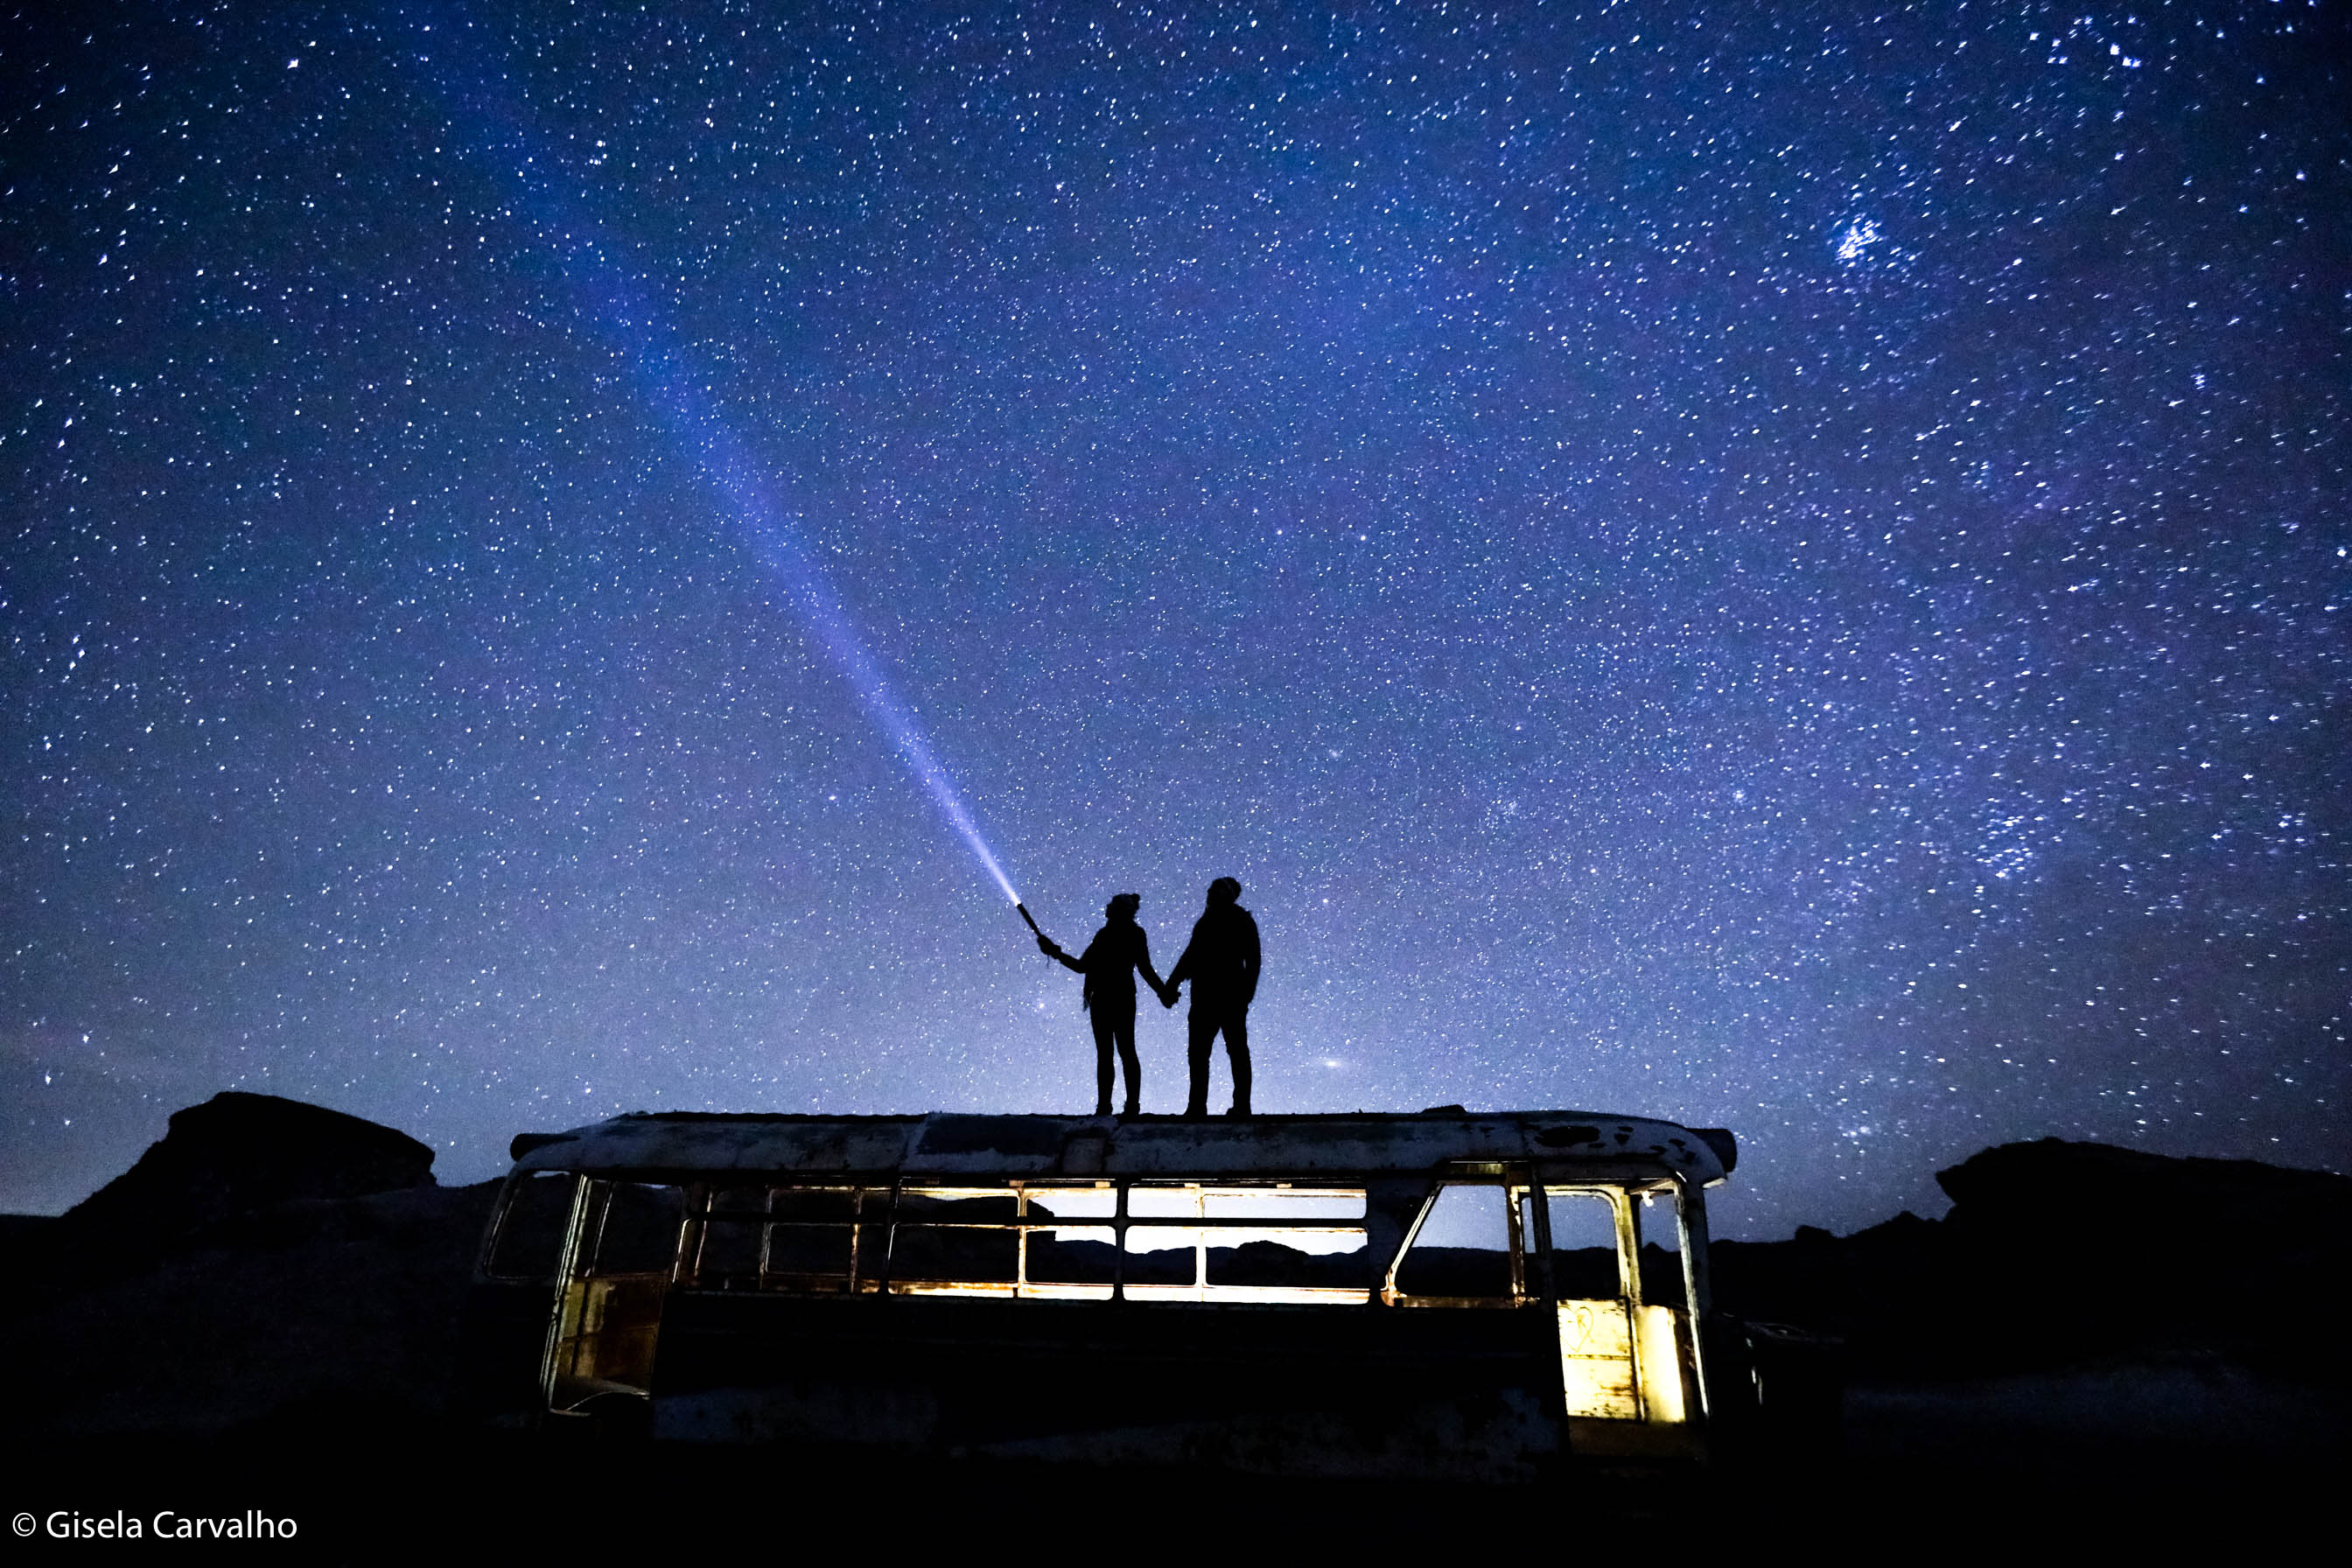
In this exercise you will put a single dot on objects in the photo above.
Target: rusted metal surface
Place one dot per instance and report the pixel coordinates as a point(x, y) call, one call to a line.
point(946, 1144)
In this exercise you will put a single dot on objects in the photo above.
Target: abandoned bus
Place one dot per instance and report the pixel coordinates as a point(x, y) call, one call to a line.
point(1445, 1294)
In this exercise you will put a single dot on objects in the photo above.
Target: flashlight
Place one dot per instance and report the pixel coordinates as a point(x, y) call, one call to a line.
point(1023, 910)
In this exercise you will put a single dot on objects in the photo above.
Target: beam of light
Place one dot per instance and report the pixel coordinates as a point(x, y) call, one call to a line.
point(666, 380)
point(772, 532)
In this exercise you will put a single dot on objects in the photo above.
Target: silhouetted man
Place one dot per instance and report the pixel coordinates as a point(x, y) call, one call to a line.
point(1221, 962)
point(1109, 962)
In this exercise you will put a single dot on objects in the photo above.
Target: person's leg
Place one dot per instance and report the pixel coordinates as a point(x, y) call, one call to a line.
point(1104, 1026)
point(1201, 1026)
point(1124, 1034)
point(1237, 1048)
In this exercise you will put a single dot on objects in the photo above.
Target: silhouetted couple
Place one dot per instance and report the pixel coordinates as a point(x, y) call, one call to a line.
point(1221, 963)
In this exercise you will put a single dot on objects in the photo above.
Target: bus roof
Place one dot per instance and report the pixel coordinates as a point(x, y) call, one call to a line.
point(675, 1144)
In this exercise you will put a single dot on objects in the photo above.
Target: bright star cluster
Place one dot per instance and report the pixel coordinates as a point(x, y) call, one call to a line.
point(1780, 566)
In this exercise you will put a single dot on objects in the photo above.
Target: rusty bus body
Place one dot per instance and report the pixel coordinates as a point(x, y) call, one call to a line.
point(1270, 1294)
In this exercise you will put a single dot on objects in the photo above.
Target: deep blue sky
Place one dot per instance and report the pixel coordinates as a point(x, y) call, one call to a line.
point(1776, 566)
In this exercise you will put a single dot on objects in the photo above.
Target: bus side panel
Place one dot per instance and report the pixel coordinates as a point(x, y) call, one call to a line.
point(1463, 1395)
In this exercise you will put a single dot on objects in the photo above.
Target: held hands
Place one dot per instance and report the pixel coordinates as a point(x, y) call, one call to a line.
point(1168, 994)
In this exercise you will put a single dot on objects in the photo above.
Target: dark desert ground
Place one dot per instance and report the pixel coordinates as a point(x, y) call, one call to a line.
point(264, 1312)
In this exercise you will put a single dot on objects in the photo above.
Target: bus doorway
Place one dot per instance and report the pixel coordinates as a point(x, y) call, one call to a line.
point(619, 1257)
point(1629, 1360)
point(1628, 1367)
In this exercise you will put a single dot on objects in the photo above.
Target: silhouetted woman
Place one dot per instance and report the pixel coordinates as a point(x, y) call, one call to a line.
point(1109, 964)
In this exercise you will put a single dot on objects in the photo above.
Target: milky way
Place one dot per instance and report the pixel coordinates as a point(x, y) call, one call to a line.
point(1780, 567)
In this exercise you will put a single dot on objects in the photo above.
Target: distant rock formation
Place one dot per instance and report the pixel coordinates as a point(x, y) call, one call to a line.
point(266, 1261)
point(230, 1156)
point(2093, 1201)
point(2058, 1253)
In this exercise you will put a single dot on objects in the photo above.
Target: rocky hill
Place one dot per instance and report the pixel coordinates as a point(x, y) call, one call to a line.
point(265, 1260)
point(2056, 1251)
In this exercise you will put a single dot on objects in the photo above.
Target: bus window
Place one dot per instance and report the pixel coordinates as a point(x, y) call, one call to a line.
point(809, 1238)
point(1268, 1243)
point(1662, 1249)
point(1584, 1246)
point(1098, 1205)
point(953, 1238)
point(732, 1230)
point(1463, 1250)
point(1287, 1206)
point(1163, 1261)
point(1070, 1261)
point(812, 1205)
point(1163, 1201)
point(531, 1231)
point(1305, 1249)
point(639, 1233)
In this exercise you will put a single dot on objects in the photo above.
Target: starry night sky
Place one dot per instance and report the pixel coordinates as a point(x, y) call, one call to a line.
point(1780, 566)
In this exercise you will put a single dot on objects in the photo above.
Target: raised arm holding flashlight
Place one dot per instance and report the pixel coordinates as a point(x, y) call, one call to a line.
point(1109, 965)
